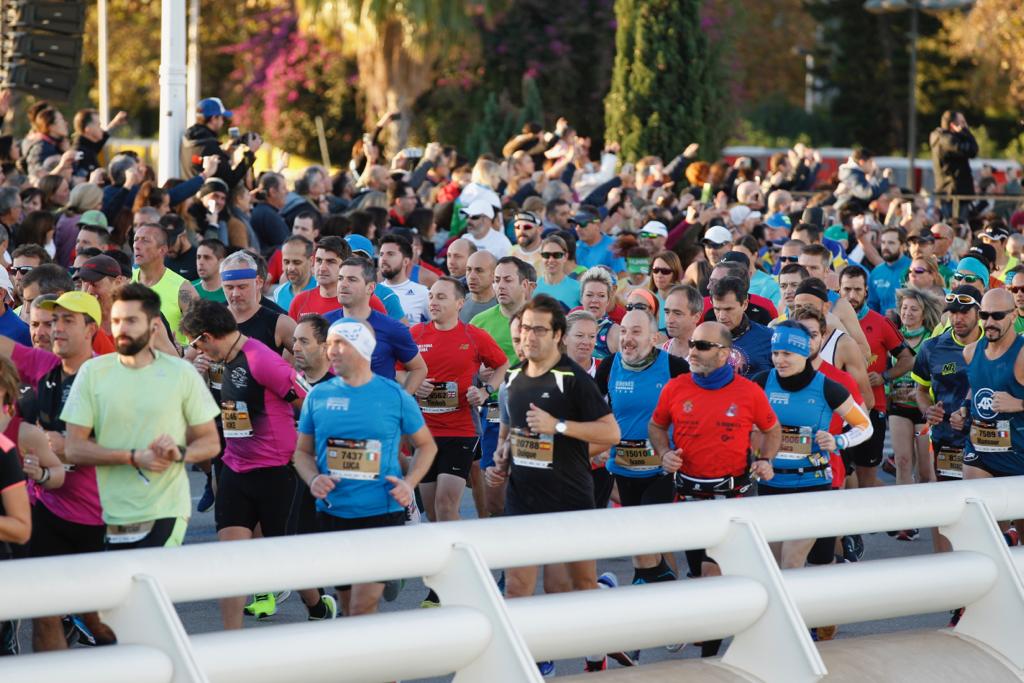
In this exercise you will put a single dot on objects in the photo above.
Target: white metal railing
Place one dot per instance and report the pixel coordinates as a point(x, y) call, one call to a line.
point(480, 637)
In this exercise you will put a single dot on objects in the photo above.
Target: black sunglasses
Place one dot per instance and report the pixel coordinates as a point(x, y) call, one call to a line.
point(638, 307)
point(552, 254)
point(703, 345)
point(995, 315)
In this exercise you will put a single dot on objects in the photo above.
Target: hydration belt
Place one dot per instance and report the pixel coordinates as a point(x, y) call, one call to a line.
point(801, 470)
point(688, 487)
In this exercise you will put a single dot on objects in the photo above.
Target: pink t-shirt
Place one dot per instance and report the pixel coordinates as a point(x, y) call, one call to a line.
point(78, 500)
point(260, 433)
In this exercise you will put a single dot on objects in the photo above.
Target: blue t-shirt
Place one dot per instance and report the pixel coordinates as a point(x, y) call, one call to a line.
point(754, 347)
point(599, 255)
point(392, 304)
point(283, 294)
point(15, 328)
point(567, 291)
point(883, 281)
point(633, 397)
point(940, 366)
point(394, 343)
point(380, 410)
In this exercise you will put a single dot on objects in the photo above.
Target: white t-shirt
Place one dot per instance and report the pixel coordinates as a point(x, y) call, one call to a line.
point(493, 241)
point(414, 297)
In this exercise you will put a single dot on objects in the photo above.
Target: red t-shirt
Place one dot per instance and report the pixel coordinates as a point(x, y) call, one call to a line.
point(836, 426)
point(712, 427)
point(883, 338)
point(311, 301)
point(453, 358)
point(102, 343)
point(275, 269)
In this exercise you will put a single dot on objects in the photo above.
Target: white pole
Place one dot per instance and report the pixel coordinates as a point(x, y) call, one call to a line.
point(104, 79)
point(172, 87)
point(194, 84)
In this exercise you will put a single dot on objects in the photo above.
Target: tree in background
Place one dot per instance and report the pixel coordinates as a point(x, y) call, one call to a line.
point(990, 36)
point(668, 88)
point(398, 45)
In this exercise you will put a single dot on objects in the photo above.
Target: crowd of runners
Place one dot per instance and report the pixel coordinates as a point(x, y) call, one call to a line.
point(552, 329)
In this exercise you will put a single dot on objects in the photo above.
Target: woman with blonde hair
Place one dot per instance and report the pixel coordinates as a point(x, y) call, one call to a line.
point(597, 296)
point(919, 311)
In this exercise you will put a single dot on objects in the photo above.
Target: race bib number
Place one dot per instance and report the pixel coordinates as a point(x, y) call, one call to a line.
point(235, 416)
point(443, 399)
point(990, 437)
point(216, 375)
point(493, 413)
point(637, 456)
point(128, 533)
point(533, 450)
point(904, 393)
point(797, 443)
point(949, 462)
point(354, 458)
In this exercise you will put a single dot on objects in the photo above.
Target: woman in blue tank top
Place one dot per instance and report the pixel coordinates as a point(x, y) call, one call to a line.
point(804, 401)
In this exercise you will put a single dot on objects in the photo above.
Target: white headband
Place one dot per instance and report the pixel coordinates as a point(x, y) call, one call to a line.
point(355, 333)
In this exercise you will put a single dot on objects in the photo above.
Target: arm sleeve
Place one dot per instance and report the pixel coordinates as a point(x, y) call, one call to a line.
point(860, 428)
point(180, 193)
point(604, 369)
point(835, 394)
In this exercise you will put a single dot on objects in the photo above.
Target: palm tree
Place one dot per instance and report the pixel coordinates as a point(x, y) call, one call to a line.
point(397, 44)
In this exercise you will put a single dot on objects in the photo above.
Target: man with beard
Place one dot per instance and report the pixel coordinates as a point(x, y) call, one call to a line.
point(890, 274)
point(884, 340)
point(527, 246)
point(140, 416)
point(395, 260)
point(309, 351)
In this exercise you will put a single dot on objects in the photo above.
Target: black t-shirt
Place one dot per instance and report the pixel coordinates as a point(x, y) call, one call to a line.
point(266, 302)
point(262, 327)
point(568, 393)
point(184, 264)
point(10, 475)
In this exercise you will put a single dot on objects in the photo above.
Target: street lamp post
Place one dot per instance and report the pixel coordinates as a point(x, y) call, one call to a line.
point(915, 7)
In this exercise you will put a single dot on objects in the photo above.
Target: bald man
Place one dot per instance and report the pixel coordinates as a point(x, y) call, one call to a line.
point(457, 257)
point(480, 282)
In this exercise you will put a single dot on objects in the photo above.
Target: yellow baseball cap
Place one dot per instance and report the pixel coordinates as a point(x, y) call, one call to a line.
point(79, 302)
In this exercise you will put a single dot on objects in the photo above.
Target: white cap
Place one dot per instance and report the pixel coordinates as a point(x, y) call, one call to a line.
point(655, 228)
point(718, 234)
point(356, 333)
point(479, 207)
point(5, 281)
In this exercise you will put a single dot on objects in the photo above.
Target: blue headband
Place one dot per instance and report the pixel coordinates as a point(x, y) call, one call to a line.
point(792, 340)
point(238, 274)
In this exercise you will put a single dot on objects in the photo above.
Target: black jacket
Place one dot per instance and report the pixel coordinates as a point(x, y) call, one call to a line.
point(201, 142)
point(951, 160)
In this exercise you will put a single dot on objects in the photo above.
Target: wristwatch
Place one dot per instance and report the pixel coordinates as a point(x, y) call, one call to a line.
point(560, 427)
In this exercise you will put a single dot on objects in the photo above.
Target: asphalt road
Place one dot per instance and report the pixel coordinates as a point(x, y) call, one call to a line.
point(205, 616)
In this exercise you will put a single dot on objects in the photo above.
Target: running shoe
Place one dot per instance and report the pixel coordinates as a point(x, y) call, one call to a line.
point(262, 606)
point(330, 609)
point(675, 647)
point(607, 580)
point(596, 666)
point(75, 631)
point(392, 589)
point(622, 658)
point(954, 616)
point(10, 640)
point(429, 604)
point(501, 582)
point(853, 548)
point(546, 669)
point(208, 498)
point(908, 535)
point(1011, 536)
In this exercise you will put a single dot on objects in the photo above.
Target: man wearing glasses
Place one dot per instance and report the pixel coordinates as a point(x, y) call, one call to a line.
point(1015, 284)
point(712, 411)
point(528, 242)
point(479, 217)
point(24, 259)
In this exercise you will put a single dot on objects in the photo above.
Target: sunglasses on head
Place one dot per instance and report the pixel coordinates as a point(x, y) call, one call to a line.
point(704, 345)
point(995, 315)
point(969, 279)
point(552, 254)
point(964, 299)
point(662, 271)
point(639, 306)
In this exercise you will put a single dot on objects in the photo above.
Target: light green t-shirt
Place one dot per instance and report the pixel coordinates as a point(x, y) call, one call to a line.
point(494, 323)
point(128, 408)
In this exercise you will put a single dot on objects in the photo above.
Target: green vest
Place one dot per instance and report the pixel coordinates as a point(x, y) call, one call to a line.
point(167, 289)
